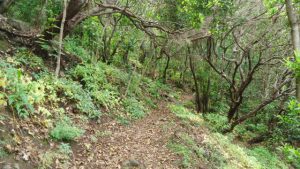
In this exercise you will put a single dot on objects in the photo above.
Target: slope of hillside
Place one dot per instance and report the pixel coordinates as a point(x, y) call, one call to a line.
point(99, 116)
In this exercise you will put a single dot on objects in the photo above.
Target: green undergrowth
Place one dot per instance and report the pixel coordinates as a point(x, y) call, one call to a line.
point(30, 90)
point(128, 95)
point(65, 130)
point(185, 114)
point(215, 150)
point(185, 146)
point(61, 156)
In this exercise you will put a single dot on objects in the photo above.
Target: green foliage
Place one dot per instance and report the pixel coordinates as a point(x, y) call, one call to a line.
point(20, 90)
point(65, 148)
point(217, 122)
point(108, 99)
point(273, 5)
point(155, 88)
point(95, 80)
point(17, 92)
point(294, 64)
point(26, 58)
point(73, 46)
point(185, 146)
point(266, 158)
point(82, 98)
point(3, 153)
point(289, 126)
point(183, 151)
point(60, 156)
point(90, 75)
point(29, 9)
point(64, 130)
point(292, 155)
point(134, 108)
point(192, 12)
point(185, 114)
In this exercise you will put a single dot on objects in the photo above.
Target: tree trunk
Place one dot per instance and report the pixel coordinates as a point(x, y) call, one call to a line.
point(61, 38)
point(247, 116)
point(75, 8)
point(198, 98)
point(166, 68)
point(295, 33)
point(233, 109)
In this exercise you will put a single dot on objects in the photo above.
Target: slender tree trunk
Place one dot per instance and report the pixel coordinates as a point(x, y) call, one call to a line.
point(166, 68)
point(182, 77)
point(61, 38)
point(206, 95)
point(295, 33)
point(198, 98)
point(144, 53)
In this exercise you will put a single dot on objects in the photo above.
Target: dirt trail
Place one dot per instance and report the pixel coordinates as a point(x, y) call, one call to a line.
point(144, 142)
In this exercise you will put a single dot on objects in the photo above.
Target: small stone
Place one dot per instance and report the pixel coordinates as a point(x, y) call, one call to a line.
point(130, 164)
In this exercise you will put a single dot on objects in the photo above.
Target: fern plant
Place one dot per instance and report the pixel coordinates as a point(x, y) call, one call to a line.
point(18, 96)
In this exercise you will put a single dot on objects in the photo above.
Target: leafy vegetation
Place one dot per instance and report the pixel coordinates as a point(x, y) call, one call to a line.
point(230, 69)
point(64, 130)
point(185, 114)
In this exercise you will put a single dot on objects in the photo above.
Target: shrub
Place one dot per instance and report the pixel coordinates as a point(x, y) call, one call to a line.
point(82, 98)
point(91, 76)
point(26, 58)
point(17, 92)
point(65, 148)
point(108, 99)
point(289, 126)
point(184, 114)
point(64, 130)
point(292, 155)
point(156, 88)
point(217, 122)
point(135, 108)
point(21, 92)
point(266, 158)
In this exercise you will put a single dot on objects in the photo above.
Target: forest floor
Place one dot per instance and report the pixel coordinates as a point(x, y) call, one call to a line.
point(142, 143)
point(169, 137)
point(110, 144)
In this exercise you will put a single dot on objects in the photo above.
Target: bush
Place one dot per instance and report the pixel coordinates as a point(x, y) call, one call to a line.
point(292, 155)
point(156, 88)
point(135, 108)
point(266, 158)
point(91, 76)
point(64, 130)
point(16, 90)
point(184, 114)
point(289, 125)
point(108, 99)
point(27, 59)
point(82, 98)
point(217, 122)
